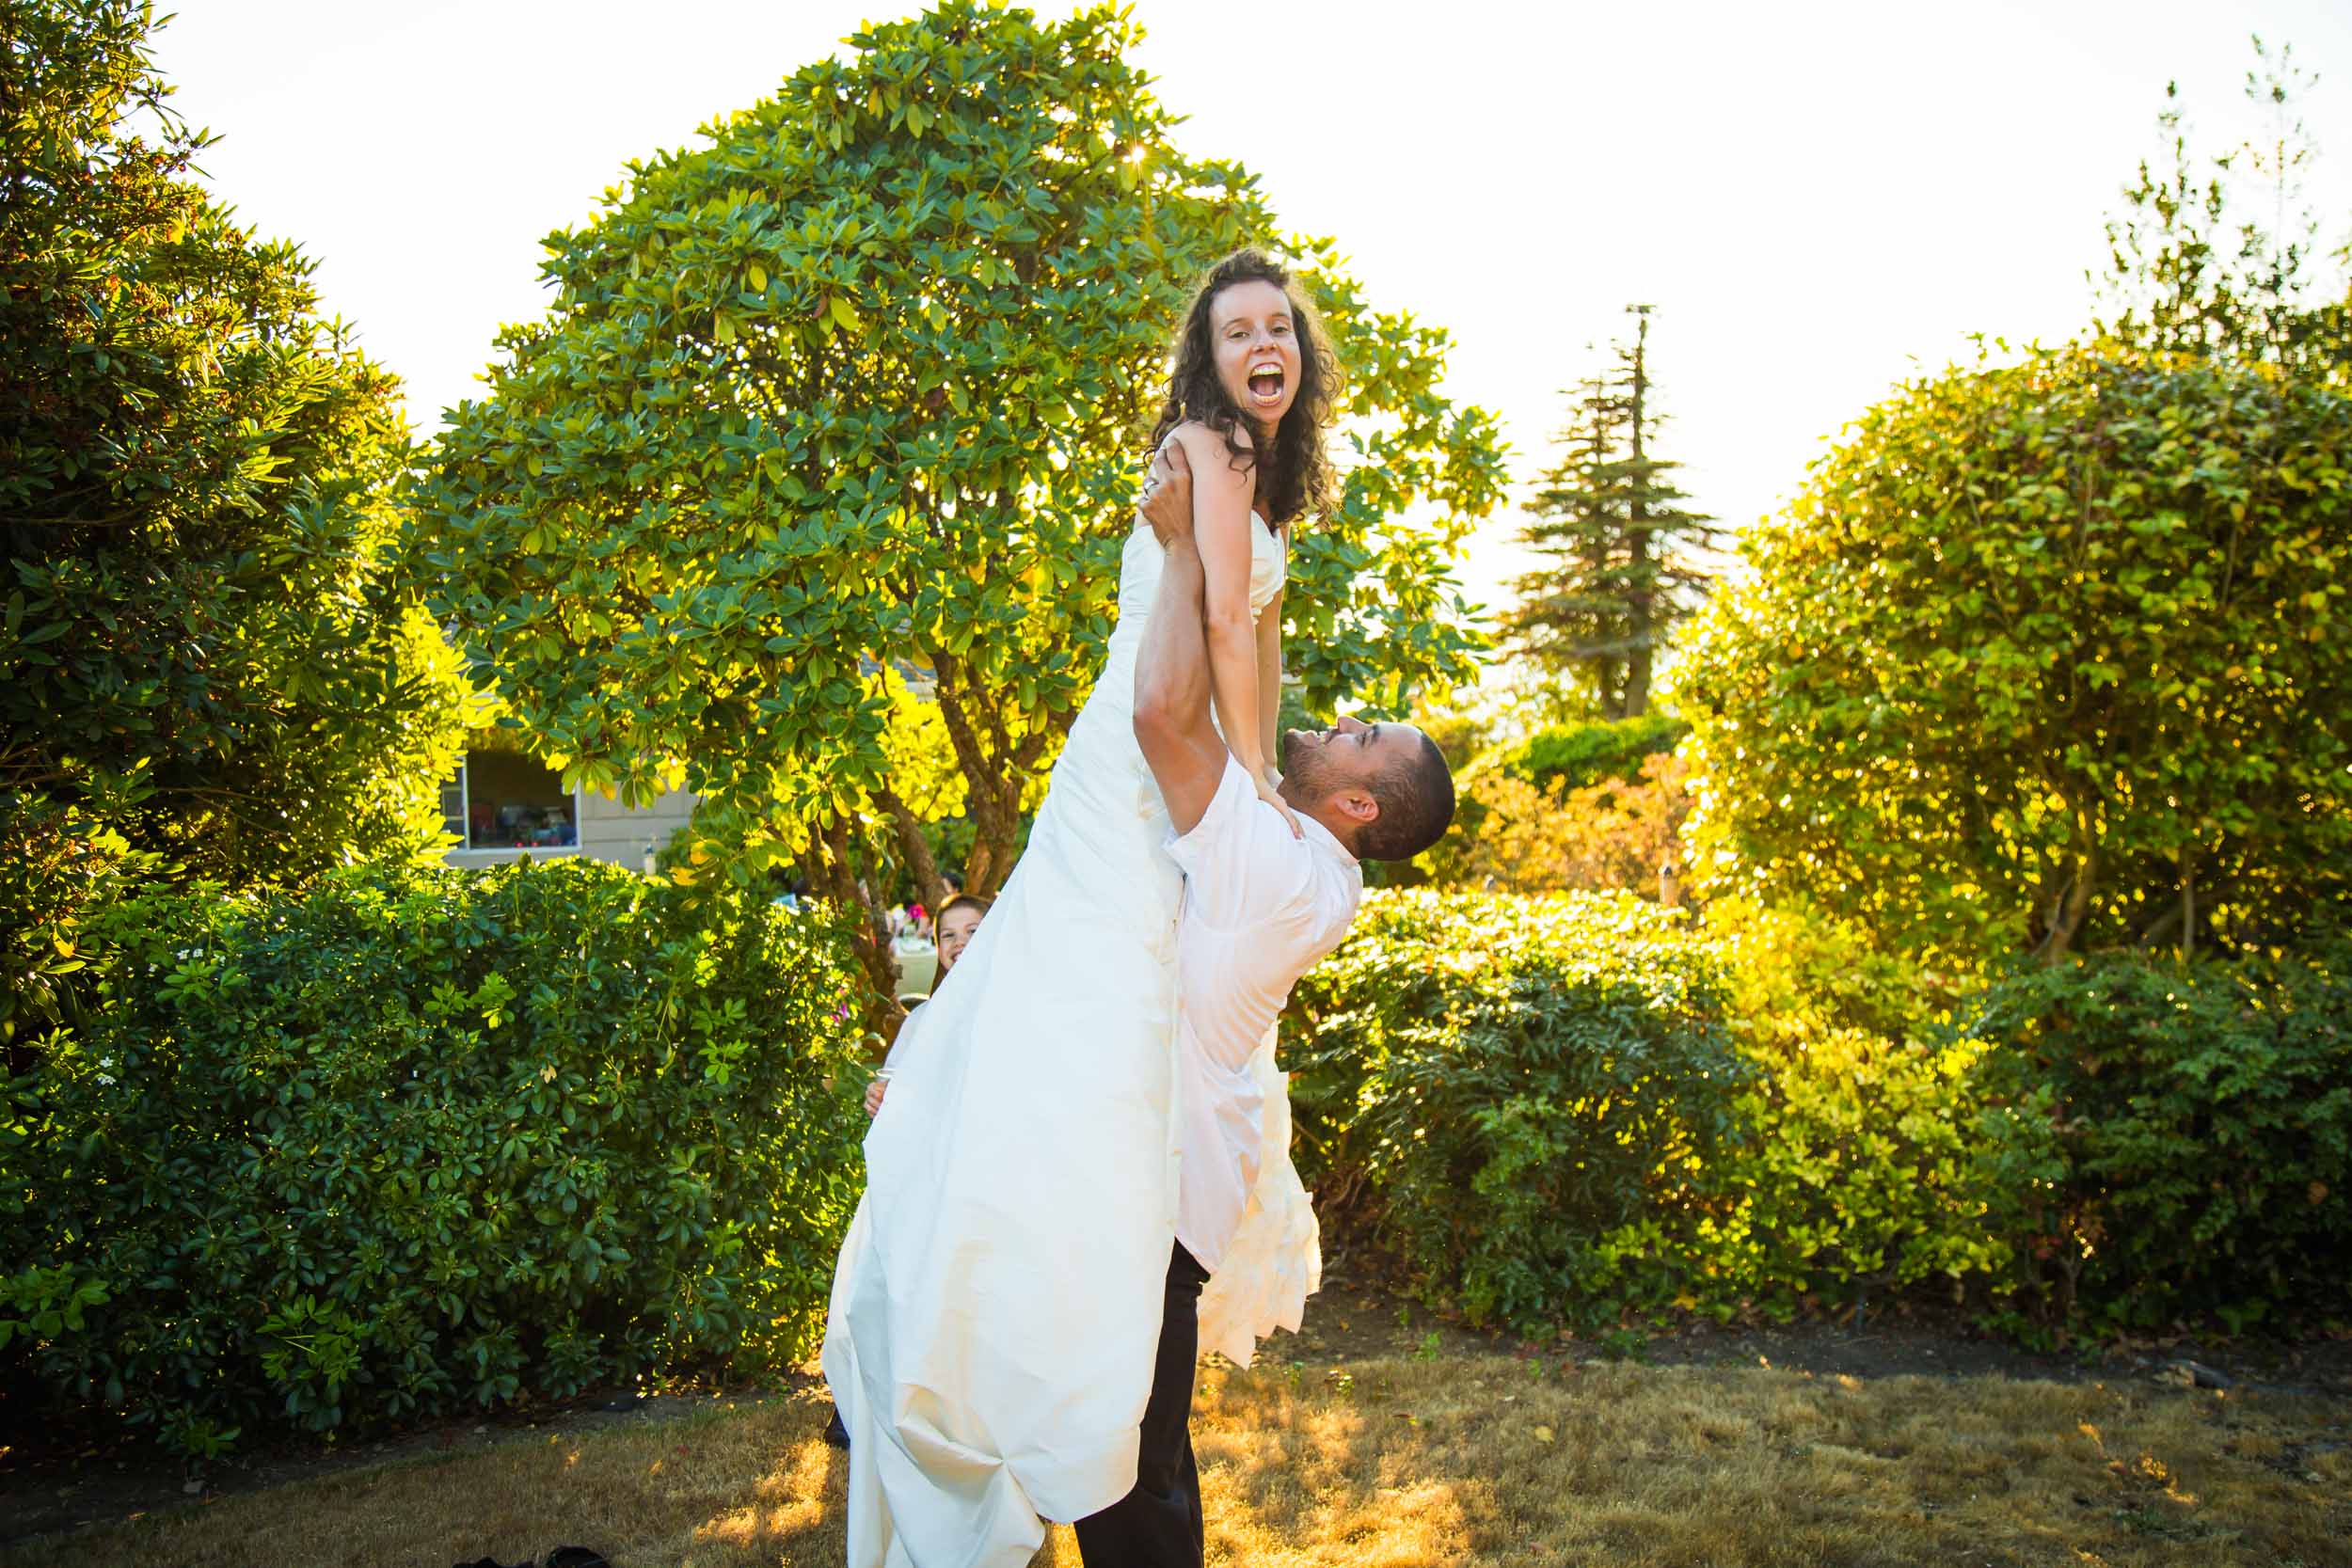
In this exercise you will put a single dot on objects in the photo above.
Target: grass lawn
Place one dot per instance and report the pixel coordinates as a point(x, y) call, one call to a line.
point(1463, 1459)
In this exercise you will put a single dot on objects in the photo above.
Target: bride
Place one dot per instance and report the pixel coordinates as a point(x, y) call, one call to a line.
point(997, 1306)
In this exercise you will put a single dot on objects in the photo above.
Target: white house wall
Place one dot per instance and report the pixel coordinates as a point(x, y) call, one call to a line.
point(610, 831)
point(607, 830)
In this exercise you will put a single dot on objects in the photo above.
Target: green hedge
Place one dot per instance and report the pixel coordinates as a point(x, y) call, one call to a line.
point(2180, 1136)
point(1519, 1096)
point(417, 1140)
point(1563, 1111)
point(1570, 756)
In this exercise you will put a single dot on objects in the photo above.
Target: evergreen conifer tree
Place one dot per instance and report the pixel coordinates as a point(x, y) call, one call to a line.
point(1625, 555)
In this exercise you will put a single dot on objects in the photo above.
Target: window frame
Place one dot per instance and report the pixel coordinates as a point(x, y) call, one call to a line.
point(466, 845)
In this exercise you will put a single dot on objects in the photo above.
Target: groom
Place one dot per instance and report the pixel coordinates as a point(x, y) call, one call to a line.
point(1262, 905)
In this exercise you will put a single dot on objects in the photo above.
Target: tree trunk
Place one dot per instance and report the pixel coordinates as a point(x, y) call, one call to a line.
point(995, 819)
point(991, 857)
point(837, 870)
point(916, 849)
point(2159, 929)
point(1641, 617)
point(994, 769)
point(2188, 907)
point(1637, 675)
point(2067, 919)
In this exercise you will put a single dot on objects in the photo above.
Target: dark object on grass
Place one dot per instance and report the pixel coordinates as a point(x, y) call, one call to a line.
point(835, 1433)
point(563, 1556)
point(2195, 1374)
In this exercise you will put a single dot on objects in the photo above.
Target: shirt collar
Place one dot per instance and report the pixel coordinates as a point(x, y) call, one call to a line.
point(1319, 834)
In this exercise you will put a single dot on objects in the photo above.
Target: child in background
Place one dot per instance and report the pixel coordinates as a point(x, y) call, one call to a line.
point(959, 917)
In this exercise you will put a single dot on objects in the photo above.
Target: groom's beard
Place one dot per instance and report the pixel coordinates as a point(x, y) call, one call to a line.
point(1294, 756)
point(1303, 768)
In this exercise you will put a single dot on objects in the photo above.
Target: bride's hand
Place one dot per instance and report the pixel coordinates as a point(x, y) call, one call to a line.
point(1272, 796)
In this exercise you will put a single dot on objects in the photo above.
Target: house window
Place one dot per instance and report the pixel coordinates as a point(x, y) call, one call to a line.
point(505, 801)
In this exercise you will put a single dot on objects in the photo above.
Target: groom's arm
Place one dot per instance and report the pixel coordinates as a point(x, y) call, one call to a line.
point(1171, 721)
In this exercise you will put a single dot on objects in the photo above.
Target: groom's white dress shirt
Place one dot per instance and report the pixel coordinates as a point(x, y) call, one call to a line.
point(1261, 907)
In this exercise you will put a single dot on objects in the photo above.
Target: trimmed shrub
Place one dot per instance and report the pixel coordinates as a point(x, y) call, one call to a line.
point(1518, 1097)
point(2048, 657)
point(413, 1140)
point(1574, 756)
point(2181, 1134)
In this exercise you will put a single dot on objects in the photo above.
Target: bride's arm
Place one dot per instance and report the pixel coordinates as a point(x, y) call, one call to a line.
point(1270, 679)
point(1221, 494)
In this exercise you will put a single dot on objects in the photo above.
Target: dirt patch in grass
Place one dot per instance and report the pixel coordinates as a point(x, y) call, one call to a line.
point(1464, 1459)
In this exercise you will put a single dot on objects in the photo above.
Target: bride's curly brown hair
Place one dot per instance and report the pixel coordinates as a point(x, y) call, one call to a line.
point(1299, 478)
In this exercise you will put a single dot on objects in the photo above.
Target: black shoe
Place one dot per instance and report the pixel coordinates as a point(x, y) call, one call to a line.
point(835, 1433)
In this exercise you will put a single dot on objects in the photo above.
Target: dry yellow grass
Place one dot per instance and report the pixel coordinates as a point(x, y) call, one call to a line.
point(1390, 1464)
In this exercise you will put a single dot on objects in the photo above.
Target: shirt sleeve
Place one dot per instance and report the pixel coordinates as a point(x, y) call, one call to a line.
point(1240, 862)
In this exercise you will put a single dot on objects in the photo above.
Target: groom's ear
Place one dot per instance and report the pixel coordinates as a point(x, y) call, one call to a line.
point(1357, 804)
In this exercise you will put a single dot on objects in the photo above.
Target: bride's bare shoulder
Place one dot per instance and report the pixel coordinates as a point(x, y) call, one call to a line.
point(1192, 430)
point(1212, 458)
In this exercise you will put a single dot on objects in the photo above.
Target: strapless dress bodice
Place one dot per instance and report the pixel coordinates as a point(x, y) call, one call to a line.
point(1139, 575)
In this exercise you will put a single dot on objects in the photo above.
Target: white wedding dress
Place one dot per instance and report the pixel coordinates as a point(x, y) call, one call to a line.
point(997, 1306)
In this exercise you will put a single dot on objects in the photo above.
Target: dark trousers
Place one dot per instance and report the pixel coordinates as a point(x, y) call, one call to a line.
point(1158, 1524)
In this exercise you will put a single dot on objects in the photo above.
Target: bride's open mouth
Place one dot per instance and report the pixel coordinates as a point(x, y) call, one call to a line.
point(1265, 385)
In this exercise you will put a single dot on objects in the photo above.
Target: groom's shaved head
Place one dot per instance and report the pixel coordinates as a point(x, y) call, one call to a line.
point(1383, 789)
point(1416, 798)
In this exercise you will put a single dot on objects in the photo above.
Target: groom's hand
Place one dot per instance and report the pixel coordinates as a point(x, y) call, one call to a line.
point(1167, 496)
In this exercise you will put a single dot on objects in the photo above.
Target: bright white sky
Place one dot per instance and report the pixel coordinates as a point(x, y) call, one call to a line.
point(1817, 197)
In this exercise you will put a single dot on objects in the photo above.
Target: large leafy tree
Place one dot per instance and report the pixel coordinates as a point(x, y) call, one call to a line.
point(858, 391)
point(2050, 656)
point(204, 658)
point(1626, 559)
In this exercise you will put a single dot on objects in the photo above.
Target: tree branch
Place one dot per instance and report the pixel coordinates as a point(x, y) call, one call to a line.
point(916, 849)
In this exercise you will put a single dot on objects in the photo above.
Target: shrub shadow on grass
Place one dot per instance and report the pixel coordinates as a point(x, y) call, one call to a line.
point(1474, 1460)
